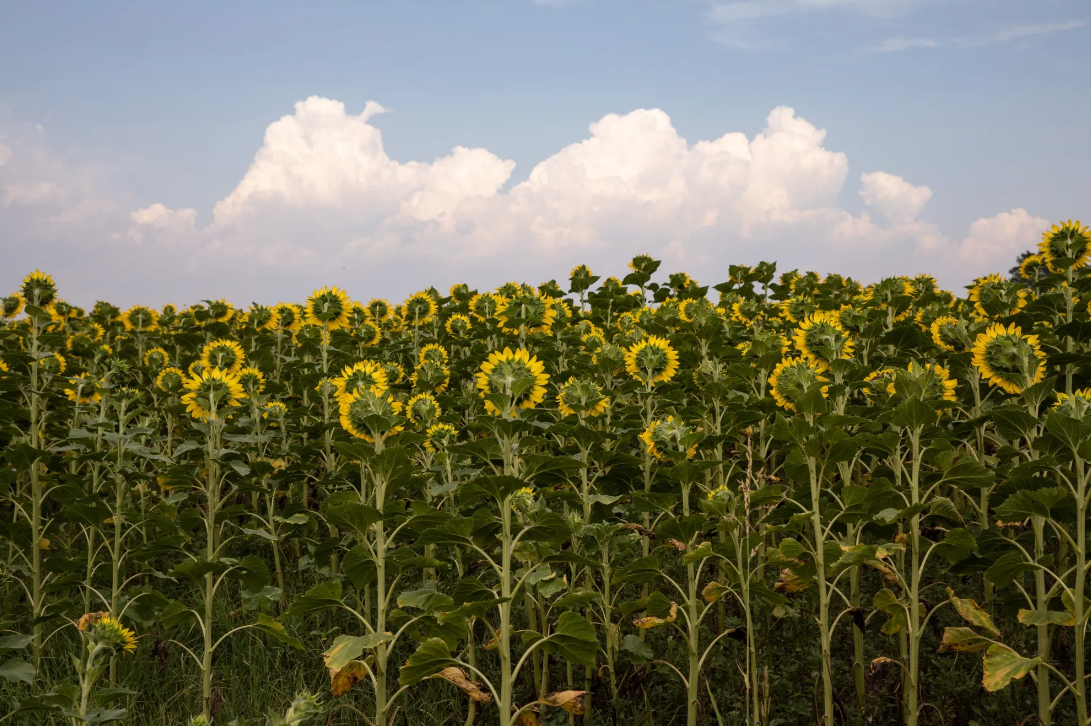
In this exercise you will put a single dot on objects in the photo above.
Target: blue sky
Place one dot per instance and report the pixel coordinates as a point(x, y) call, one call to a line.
point(111, 109)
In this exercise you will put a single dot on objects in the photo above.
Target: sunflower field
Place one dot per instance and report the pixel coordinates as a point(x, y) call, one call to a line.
point(786, 499)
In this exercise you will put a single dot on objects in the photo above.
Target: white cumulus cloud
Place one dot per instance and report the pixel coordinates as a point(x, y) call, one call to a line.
point(993, 242)
point(893, 197)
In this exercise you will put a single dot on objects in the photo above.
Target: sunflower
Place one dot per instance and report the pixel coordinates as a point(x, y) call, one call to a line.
point(581, 278)
point(460, 292)
point(592, 342)
point(1032, 267)
point(224, 354)
point(104, 630)
point(822, 340)
point(795, 309)
point(421, 410)
point(1063, 247)
point(610, 358)
point(210, 392)
point(274, 412)
point(791, 380)
point(880, 381)
point(932, 380)
point(806, 284)
point(420, 308)
point(367, 333)
point(431, 375)
point(581, 397)
point(1078, 405)
point(483, 305)
point(994, 297)
point(526, 313)
point(195, 368)
point(262, 318)
point(357, 314)
point(38, 289)
point(220, 311)
point(170, 380)
point(364, 375)
point(11, 305)
point(696, 310)
point(4, 367)
point(252, 381)
point(289, 317)
point(156, 358)
point(432, 353)
point(1008, 359)
point(666, 435)
point(83, 390)
point(748, 311)
point(53, 364)
point(379, 310)
point(328, 307)
point(366, 415)
point(515, 375)
point(439, 436)
point(139, 318)
point(651, 360)
point(950, 334)
point(395, 374)
point(458, 326)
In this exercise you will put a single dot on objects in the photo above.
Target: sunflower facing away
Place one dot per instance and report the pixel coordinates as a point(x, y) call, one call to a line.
point(170, 380)
point(421, 410)
point(651, 361)
point(420, 308)
point(1064, 246)
point(931, 381)
point(581, 397)
point(950, 334)
point(440, 436)
point(83, 390)
point(822, 340)
point(1008, 359)
point(791, 380)
point(516, 375)
point(224, 354)
point(458, 326)
point(38, 289)
point(156, 358)
point(329, 307)
point(364, 375)
point(210, 392)
point(666, 435)
point(289, 317)
point(366, 415)
point(252, 381)
point(139, 318)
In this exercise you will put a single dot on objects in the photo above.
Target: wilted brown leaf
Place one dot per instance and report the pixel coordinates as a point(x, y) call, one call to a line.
point(571, 701)
point(651, 621)
point(676, 544)
point(639, 529)
point(343, 680)
point(458, 677)
point(788, 583)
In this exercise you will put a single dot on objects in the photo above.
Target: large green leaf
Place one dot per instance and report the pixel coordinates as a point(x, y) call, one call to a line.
point(431, 657)
point(321, 597)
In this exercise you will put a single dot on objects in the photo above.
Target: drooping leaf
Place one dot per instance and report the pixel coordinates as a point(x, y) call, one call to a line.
point(1002, 665)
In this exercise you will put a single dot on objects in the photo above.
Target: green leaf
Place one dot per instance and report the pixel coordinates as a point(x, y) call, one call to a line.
point(320, 597)
point(887, 602)
point(432, 656)
point(355, 516)
point(1006, 568)
point(14, 670)
point(963, 640)
point(575, 639)
point(956, 545)
point(15, 642)
point(276, 629)
point(1002, 665)
point(350, 647)
point(426, 599)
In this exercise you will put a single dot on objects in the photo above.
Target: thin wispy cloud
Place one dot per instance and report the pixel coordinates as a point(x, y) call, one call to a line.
point(1017, 32)
point(895, 45)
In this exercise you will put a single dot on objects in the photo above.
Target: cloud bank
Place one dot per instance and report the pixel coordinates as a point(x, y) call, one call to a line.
point(323, 203)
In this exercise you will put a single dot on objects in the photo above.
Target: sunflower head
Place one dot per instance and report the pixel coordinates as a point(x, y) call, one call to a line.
point(53, 364)
point(104, 631)
point(379, 310)
point(529, 313)
point(289, 317)
point(792, 379)
point(667, 439)
point(581, 278)
point(644, 264)
point(274, 413)
point(484, 305)
point(551, 290)
point(1077, 406)
point(696, 311)
point(924, 381)
point(420, 308)
point(795, 309)
point(262, 318)
point(581, 397)
point(139, 318)
point(11, 305)
point(609, 358)
point(368, 416)
point(806, 284)
point(38, 289)
point(422, 410)
point(105, 313)
point(364, 375)
point(1008, 359)
point(951, 334)
point(651, 361)
point(395, 374)
point(994, 297)
point(367, 333)
point(1032, 267)
point(509, 380)
point(212, 393)
point(156, 358)
point(170, 380)
point(1064, 246)
point(432, 353)
point(252, 381)
point(460, 292)
point(439, 436)
point(822, 340)
point(329, 307)
point(224, 354)
point(748, 310)
point(879, 383)
point(82, 390)
point(458, 326)
point(432, 376)
point(592, 342)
